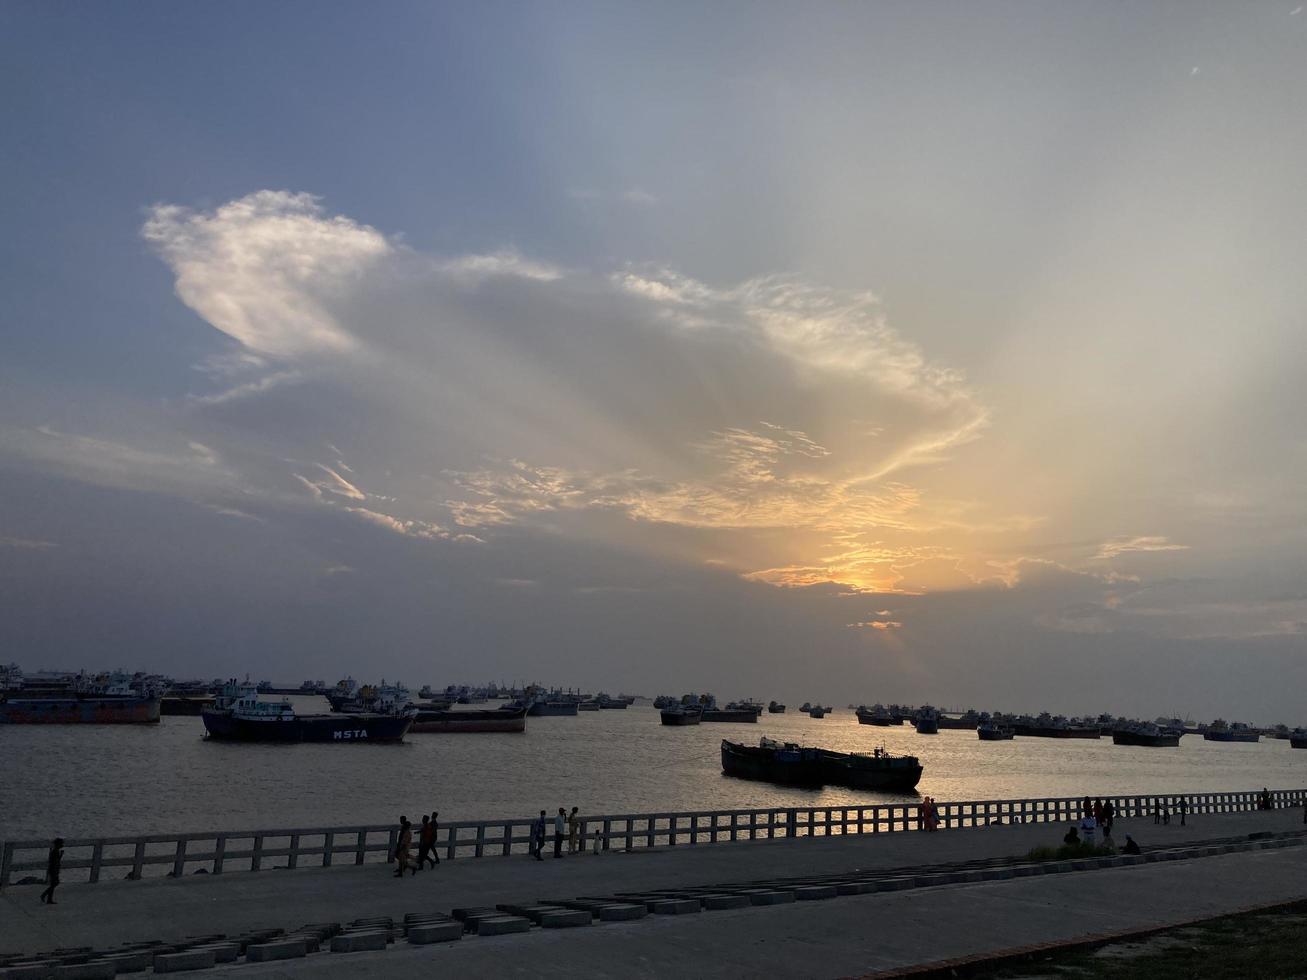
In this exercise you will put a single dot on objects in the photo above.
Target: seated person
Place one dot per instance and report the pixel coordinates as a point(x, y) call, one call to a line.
point(1130, 846)
point(1072, 837)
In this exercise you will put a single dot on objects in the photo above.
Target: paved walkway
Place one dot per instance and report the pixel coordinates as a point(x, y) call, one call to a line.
point(110, 913)
point(847, 936)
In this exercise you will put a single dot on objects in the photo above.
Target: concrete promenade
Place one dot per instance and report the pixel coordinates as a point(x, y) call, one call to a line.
point(111, 913)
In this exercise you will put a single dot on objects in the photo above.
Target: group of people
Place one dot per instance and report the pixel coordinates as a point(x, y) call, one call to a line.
point(566, 826)
point(426, 834)
point(927, 814)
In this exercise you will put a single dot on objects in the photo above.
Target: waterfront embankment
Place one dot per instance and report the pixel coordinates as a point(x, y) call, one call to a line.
point(842, 935)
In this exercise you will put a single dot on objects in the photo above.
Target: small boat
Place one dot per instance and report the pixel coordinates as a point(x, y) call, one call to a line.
point(992, 731)
point(509, 717)
point(1298, 738)
point(238, 715)
point(926, 720)
point(1146, 734)
point(1221, 731)
point(776, 708)
point(805, 707)
point(817, 711)
point(795, 765)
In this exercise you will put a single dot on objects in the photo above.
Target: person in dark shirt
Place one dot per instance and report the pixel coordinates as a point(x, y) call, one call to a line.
point(1072, 836)
point(1130, 846)
point(52, 870)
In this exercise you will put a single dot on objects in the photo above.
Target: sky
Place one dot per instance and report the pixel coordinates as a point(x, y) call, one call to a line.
point(944, 352)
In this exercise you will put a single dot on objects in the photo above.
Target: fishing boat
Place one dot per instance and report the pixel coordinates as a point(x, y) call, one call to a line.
point(796, 765)
point(608, 703)
point(1222, 731)
point(992, 731)
point(817, 711)
point(1298, 738)
point(1146, 734)
point(926, 720)
point(239, 715)
point(775, 708)
point(509, 717)
point(590, 704)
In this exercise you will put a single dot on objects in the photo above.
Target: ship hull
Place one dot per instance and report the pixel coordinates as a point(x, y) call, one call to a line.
point(1037, 731)
point(801, 768)
point(489, 720)
point(79, 710)
point(873, 720)
point(552, 709)
point(1231, 736)
point(1298, 743)
point(793, 766)
point(679, 718)
point(1003, 735)
point(959, 724)
point(1162, 741)
point(187, 707)
point(221, 726)
point(927, 727)
point(726, 714)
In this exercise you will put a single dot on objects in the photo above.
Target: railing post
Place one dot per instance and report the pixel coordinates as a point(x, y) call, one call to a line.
point(451, 848)
point(179, 861)
point(6, 859)
point(630, 834)
point(138, 860)
point(735, 826)
point(97, 855)
point(508, 836)
point(256, 859)
point(294, 859)
point(671, 830)
point(361, 847)
point(608, 830)
point(791, 820)
point(328, 845)
point(392, 842)
point(481, 840)
point(694, 828)
point(649, 831)
point(219, 853)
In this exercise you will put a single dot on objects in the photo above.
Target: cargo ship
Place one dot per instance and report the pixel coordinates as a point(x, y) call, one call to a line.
point(1048, 726)
point(992, 731)
point(796, 765)
point(1220, 731)
point(876, 715)
point(776, 708)
point(506, 718)
point(926, 720)
point(1146, 734)
point(77, 708)
point(682, 714)
point(736, 711)
point(1298, 738)
point(238, 715)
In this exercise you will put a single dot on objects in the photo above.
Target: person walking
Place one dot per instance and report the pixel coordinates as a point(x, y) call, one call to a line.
point(1088, 826)
point(426, 839)
point(538, 836)
point(403, 855)
point(52, 865)
point(435, 837)
point(560, 830)
point(573, 831)
point(1109, 817)
point(1183, 807)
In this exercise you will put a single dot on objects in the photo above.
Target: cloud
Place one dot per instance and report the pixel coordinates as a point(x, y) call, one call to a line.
point(332, 483)
point(248, 388)
point(505, 263)
point(27, 544)
point(408, 528)
point(1120, 546)
point(878, 624)
point(256, 268)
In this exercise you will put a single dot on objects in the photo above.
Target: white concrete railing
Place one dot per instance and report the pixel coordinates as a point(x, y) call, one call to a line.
point(258, 850)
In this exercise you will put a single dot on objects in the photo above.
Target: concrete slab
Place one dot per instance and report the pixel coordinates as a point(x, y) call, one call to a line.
point(717, 902)
point(502, 925)
point(224, 952)
point(131, 962)
point(28, 971)
point(191, 959)
point(771, 898)
point(621, 912)
point(675, 906)
point(813, 893)
point(434, 932)
point(94, 970)
point(357, 942)
point(282, 949)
